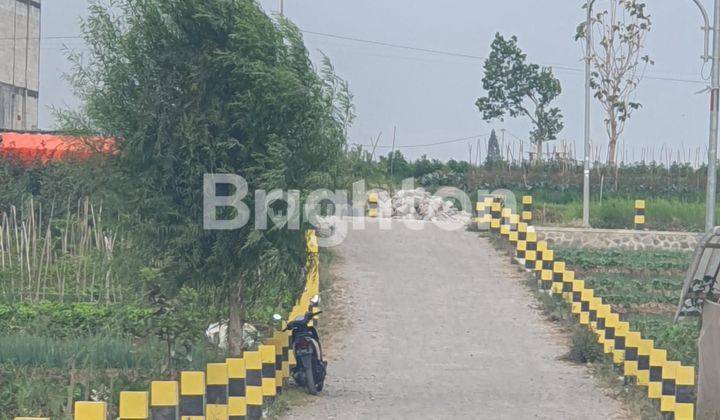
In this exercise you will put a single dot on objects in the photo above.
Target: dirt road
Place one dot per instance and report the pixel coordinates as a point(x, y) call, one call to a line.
point(442, 327)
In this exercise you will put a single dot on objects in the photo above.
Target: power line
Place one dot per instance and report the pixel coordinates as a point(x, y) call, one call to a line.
point(476, 57)
point(391, 45)
point(438, 143)
point(561, 67)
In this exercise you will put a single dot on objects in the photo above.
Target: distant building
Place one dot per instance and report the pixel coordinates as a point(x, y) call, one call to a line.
point(19, 64)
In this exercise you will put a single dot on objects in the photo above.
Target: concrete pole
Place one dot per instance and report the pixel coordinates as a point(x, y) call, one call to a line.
point(588, 97)
point(712, 149)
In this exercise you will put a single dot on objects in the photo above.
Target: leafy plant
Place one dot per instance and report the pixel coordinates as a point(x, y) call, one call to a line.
point(621, 259)
point(618, 62)
point(516, 87)
point(217, 87)
point(584, 347)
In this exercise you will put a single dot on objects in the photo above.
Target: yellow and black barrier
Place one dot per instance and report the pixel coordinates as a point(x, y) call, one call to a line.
point(669, 383)
point(527, 215)
point(269, 388)
point(482, 209)
point(240, 388)
point(237, 404)
point(134, 406)
point(90, 411)
point(192, 395)
point(373, 205)
point(639, 214)
point(216, 391)
point(164, 401)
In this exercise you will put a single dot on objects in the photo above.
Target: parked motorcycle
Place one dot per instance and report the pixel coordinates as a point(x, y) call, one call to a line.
point(310, 368)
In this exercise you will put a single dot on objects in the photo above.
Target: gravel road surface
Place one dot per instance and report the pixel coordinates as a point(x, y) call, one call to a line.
point(441, 326)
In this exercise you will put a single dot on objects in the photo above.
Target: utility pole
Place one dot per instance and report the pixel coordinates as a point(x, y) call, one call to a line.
point(712, 149)
point(588, 97)
point(392, 153)
point(282, 8)
point(711, 192)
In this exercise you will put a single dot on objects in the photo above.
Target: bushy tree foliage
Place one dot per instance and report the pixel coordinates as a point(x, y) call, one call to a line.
point(518, 88)
point(190, 87)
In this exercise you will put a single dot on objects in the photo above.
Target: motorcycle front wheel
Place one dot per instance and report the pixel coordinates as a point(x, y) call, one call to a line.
point(309, 375)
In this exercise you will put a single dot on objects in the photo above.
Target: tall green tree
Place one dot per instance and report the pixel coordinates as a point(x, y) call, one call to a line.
point(189, 87)
point(518, 88)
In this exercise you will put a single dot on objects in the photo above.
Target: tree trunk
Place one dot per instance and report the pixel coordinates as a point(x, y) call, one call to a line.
point(236, 320)
point(538, 150)
point(612, 144)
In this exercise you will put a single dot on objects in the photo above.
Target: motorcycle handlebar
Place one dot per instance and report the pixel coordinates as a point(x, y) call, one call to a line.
point(312, 315)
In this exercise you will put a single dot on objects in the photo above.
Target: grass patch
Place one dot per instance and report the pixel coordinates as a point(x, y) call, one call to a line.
point(626, 291)
point(584, 347)
point(624, 261)
point(617, 213)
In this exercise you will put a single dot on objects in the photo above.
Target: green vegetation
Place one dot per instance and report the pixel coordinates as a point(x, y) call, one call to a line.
point(623, 260)
point(583, 346)
point(107, 277)
point(644, 287)
point(517, 88)
point(617, 213)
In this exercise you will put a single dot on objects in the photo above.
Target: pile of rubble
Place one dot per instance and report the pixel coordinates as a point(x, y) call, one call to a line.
point(419, 204)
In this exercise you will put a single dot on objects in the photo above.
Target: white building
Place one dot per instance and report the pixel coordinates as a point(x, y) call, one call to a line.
point(19, 64)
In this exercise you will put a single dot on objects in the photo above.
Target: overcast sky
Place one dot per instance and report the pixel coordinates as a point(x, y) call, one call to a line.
point(430, 97)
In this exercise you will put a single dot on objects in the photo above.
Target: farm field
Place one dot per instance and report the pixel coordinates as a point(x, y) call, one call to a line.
point(644, 287)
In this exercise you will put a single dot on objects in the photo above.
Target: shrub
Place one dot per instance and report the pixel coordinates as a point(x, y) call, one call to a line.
point(584, 347)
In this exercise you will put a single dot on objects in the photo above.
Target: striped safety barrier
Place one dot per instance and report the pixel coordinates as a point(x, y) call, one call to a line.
point(639, 214)
point(240, 388)
point(373, 205)
point(482, 212)
point(526, 215)
point(667, 382)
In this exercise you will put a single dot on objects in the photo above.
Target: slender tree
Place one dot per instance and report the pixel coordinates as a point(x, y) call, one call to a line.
point(518, 88)
point(618, 62)
point(493, 152)
point(190, 87)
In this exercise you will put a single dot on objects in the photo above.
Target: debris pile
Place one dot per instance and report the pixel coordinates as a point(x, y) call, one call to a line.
point(419, 204)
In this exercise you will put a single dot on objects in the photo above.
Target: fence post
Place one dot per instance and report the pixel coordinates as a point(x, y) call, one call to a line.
point(216, 391)
point(134, 405)
point(685, 393)
point(192, 394)
point(557, 277)
point(513, 236)
point(237, 405)
point(621, 332)
point(658, 359)
point(546, 269)
point(527, 202)
point(632, 343)
point(568, 277)
point(269, 389)
point(277, 342)
point(644, 349)
point(531, 245)
point(639, 214)
point(164, 400)
point(373, 205)
point(253, 384)
point(90, 410)
point(495, 215)
point(482, 207)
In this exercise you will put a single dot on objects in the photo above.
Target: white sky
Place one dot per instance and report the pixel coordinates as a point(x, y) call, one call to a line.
point(430, 97)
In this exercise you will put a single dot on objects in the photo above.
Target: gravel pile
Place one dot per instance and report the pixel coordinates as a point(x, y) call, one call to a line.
point(419, 204)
